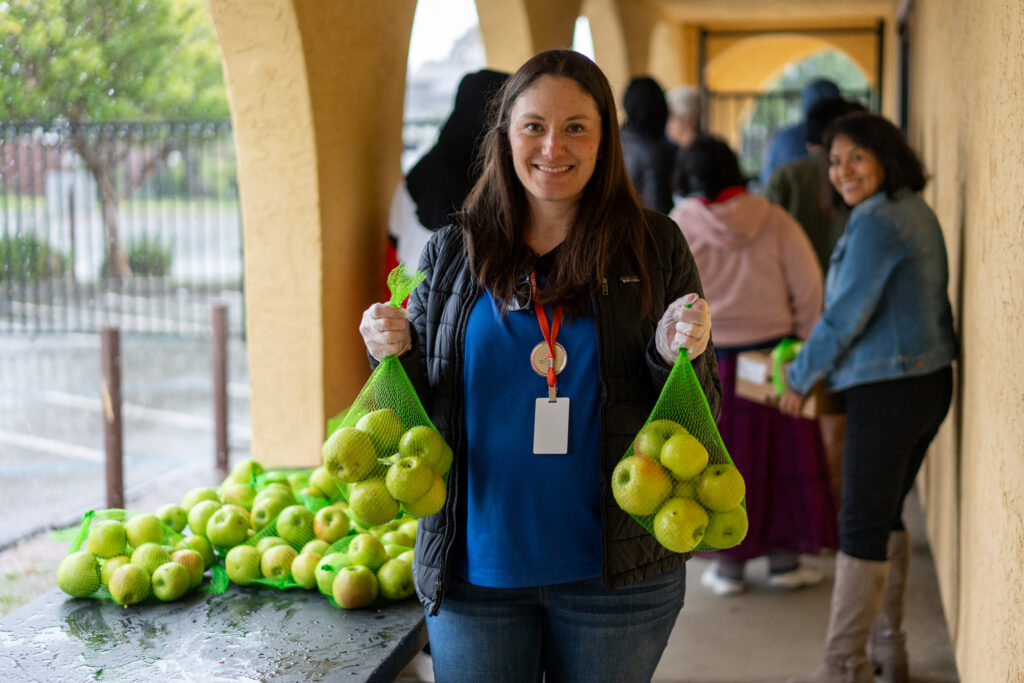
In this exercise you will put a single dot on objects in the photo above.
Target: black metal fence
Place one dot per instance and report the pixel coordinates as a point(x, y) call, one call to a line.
point(749, 119)
point(129, 224)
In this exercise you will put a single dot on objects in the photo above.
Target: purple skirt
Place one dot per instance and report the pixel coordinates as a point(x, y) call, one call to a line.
point(782, 460)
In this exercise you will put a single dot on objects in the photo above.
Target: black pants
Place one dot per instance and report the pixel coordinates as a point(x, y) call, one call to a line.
point(888, 428)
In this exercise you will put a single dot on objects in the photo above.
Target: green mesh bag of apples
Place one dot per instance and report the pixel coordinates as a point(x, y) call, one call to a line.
point(677, 479)
point(131, 557)
point(384, 450)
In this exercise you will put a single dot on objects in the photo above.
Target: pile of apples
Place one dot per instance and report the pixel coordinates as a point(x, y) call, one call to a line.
point(133, 557)
point(264, 527)
point(669, 486)
point(390, 469)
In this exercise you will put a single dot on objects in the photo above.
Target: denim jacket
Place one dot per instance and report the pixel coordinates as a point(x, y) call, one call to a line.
point(887, 313)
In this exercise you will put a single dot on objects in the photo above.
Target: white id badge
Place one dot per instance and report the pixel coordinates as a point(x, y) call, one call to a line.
point(551, 427)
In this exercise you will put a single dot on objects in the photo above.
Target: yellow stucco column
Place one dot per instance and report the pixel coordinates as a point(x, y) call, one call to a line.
point(515, 30)
point(316, 90)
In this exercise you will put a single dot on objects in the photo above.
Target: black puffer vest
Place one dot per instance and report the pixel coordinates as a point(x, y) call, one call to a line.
point(632, 375)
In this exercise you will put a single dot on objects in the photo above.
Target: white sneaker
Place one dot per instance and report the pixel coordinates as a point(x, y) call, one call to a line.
point(796, 578)
point(721, 585)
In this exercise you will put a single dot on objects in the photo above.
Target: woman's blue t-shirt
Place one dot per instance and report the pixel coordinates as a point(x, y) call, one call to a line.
point(531, 520)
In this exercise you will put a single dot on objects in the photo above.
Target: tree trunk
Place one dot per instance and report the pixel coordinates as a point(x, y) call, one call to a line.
point(116, 261)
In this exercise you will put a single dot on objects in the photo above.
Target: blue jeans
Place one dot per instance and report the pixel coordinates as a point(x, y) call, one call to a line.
point(571, 632)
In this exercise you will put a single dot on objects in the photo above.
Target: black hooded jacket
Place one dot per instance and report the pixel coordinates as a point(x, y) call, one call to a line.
point(632, 374)
point(441, 179)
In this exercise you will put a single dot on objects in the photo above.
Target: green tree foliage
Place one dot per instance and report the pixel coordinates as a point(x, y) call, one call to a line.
point(80, 61)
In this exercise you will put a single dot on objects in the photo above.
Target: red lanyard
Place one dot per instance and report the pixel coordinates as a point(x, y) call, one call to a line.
point(549, 336)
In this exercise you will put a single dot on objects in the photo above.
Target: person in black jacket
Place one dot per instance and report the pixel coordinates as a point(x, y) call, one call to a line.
point(649, 155)
point(531, 568)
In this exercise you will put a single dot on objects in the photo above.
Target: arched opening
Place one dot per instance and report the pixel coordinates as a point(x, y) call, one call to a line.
point(582, 40)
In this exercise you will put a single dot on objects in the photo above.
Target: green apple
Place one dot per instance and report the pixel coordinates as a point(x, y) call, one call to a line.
point(397, 538)
point(432, 502)
point(193, 562)
point(684, 456)
point(276, 491)
point(349, 454)
point(394, 550)
point(653, 436)
point(303, 569)
point(395, 579)
point(327, 568)
point(174, 516)
point(78, 574)
point(109, 566)
point(274, 477)
point(384, 429)
point(295, 525)
point(330, 523)
point(354, 587)
point(409, 479)
point(721, 488)
point(407, 556)
point(268, 542)
point(367, 550)
point(201, 545)
point(149, 556)
point(640, 485)
point(107, 538)
point(686, 489)
point(129, 584)
point(264, 510)
point(445, 462)
point(680, 524)
point(726, 529)
point(200, 514)
point(409, 527)
point(241, 495)
point(170, 581)
point(322, 480)
point(318, 546)
point(196, 495)
point(144, 528)
point(277, 561)
point(423, 442)
point(227, 527)
point(244, 471)
point(371, 503)
point(243, 564)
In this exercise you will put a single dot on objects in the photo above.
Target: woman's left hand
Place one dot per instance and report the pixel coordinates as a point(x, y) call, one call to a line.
point(680, 326)
point(791, 403)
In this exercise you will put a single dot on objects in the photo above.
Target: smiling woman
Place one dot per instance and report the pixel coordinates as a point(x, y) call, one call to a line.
point(886, 343)
point(555, 209)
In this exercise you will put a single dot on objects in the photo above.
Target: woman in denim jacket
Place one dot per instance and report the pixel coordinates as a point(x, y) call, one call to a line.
point(886, 343)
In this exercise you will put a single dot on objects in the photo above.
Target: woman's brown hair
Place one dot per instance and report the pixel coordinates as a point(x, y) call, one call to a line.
point(609, 229)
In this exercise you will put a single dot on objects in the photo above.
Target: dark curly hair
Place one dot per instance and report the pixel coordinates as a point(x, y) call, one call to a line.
point(900, 164)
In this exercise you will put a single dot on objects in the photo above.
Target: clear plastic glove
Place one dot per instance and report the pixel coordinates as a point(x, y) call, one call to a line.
point(385, 330)
point(686, 327)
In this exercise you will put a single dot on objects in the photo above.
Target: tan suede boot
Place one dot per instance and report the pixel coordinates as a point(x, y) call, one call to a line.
point(856, 601)
point(887, 646)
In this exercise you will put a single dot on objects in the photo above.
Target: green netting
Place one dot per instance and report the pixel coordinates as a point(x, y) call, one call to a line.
point(383, 449)
point(665, 483)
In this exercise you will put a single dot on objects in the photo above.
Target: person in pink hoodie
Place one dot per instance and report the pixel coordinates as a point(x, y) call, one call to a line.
point(763, 281)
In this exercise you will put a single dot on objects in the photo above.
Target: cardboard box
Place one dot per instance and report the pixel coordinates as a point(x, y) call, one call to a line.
point(754, 383)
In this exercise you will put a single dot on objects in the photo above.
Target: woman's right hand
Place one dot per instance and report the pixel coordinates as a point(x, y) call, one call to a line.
point(385, 330)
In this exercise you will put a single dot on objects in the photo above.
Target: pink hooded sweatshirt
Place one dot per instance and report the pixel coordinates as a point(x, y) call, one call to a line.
point(759, 272)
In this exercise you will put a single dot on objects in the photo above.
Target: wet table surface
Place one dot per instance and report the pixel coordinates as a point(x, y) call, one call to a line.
point(245, 634)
